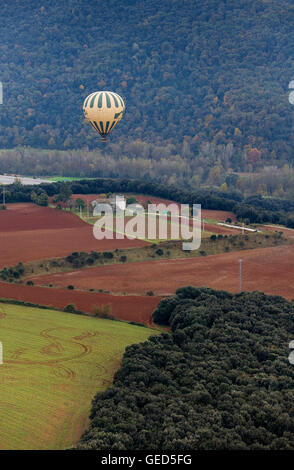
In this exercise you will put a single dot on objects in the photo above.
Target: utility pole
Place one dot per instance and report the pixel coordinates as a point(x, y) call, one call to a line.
point(240, 275)
point(3, 195)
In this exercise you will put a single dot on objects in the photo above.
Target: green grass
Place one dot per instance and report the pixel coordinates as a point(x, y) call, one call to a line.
point(53, 364)
point(67, 178)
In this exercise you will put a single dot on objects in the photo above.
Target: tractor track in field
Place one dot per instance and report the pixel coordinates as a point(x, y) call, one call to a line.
point(54, 346)
point(63, 372)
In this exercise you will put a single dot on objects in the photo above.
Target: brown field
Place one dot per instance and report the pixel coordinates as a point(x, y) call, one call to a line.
point(29, 232)
point(270, 270)
point(129, 308)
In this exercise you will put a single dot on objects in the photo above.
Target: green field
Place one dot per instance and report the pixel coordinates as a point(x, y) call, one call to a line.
point(66, 178)
point(53, 364)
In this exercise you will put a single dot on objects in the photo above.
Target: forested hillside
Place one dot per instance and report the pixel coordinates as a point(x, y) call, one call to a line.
point(222, 380)
point(204, 81)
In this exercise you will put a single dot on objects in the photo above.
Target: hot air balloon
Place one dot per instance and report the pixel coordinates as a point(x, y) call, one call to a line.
point(103, 109)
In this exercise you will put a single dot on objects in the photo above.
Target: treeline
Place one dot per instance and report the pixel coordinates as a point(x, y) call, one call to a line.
point(220, 381)
point(252, 210)
point(215, 165)
point(189, 72)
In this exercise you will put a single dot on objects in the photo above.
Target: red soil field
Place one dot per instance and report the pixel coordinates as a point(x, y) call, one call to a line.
point(220, 216)
point(129, 308)
point(29, 232)
point(270, 270)
point(26, 216)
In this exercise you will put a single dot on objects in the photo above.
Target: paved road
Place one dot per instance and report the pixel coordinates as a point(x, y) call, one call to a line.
point(10, 179)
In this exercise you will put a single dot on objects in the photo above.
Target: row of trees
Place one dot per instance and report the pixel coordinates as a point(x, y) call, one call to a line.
point(218, 166)
point(221, 380)
point(255, 209)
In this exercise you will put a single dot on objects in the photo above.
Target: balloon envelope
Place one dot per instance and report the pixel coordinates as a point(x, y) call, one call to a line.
point(103, 109)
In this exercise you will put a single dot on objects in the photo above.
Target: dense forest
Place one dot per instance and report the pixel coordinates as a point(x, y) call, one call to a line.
point(221, 380)
point(254, 209)
point(205, 83)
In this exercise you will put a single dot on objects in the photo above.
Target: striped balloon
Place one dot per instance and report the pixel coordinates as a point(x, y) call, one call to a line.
point(103, 109)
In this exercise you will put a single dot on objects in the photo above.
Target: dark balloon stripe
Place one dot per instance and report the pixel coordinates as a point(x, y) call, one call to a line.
point(115, 100)
point(112, 126)
point(108, 102)
point(92, 100)
point(121, 101)
point(107, 126)
point(100, 100)
point(97, 127)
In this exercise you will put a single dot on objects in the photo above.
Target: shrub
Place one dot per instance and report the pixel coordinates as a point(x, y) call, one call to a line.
point(102, 311)
point(70, 287)
point(76, 264)
point(159, 252)
point(202, 253)
point(150, 293)
point(95, 254)
point(131, 200)
point(54, 263)
point(213, 237)
point(30, 283)
point(123, 258)
point(71, 308)
point(108, 254)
